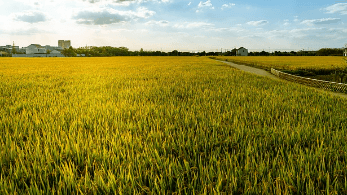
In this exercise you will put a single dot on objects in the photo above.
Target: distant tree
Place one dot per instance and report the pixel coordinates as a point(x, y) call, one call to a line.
point(48, 51)
point(330, 52)
point(233, 52)
point(174, 53)
point(69, 52)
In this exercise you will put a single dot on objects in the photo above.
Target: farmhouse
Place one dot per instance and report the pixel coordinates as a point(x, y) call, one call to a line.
point(242, 52)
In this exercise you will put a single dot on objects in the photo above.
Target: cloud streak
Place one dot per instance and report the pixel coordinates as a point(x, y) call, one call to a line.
point(31, 17)
point(321, 21)
point(191, 25)
point(206, 4)
point(157, 23)
point(110, 16)
point(225, 6)
point(125, 2)
point(340, 8)
point(257, 23)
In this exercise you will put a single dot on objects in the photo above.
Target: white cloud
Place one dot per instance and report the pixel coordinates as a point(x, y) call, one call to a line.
point(110, 16)
point(296, 19)
point(224, 6)
point(190, 25)
point(157, 23)
point(206, 4)
point(320, 21)
point(232, 29)
point(257, 23)
point(286, 23)
point(21, 31)
point(30, 17)
point(125, 2)
point(340, 8)
point(189, 3)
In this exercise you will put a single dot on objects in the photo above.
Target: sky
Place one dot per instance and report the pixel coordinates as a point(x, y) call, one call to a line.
point(185, 25)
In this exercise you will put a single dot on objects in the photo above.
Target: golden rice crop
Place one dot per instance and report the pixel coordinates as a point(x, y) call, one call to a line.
point(161, 125)
point(290, 62)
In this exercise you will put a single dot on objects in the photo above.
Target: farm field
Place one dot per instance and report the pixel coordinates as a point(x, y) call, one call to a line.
point(313, 63)
point(161, 125)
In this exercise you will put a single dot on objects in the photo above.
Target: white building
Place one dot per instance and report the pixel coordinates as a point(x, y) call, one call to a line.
point(242, 52)
point(35, 49)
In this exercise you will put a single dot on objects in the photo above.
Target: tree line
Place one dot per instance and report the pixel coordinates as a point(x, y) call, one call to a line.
point(106, 51)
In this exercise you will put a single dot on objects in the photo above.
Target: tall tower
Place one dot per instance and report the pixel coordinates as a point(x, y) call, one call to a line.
point(65, 44)
point(61, 43)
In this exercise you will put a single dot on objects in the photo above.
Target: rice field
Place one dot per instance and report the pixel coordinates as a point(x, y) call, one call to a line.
point(311, 63)
point(164, 125)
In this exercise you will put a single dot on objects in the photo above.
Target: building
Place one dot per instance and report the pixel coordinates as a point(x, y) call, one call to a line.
point(65, 44)
point(22, 50)
point(242, 52)
point(51, 48)
point(9, 48)
point(35, 49)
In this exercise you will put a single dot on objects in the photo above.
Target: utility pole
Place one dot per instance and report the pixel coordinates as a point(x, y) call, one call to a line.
point(13, 49)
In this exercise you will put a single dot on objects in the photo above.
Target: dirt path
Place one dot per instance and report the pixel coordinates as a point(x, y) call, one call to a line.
point(262, 72)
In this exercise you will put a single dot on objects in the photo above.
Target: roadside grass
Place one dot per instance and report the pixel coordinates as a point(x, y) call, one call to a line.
point(330, 68)
point(313, 63)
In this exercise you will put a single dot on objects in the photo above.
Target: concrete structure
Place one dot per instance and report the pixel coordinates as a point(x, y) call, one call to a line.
point(38, 55)
point(2, 53)
point(22, 50)
point(9, 48)
point(65, 44)
point(35, 49)
point(55, 52)
point(242, 52)
point(51, 48)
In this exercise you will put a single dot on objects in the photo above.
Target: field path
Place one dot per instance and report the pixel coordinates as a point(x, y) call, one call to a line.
point(262, 72)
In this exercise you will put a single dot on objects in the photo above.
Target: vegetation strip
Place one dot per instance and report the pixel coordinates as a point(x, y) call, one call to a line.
point(332, 86)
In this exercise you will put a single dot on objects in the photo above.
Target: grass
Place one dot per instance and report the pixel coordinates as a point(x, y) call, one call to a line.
point(330, 68)
point(310, 63)
point(161, 125)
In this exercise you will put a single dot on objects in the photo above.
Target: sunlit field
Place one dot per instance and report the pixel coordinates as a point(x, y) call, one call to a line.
point(290, 62)
point(162, 125)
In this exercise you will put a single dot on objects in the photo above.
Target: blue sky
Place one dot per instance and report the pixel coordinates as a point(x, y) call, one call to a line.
point(176, 24)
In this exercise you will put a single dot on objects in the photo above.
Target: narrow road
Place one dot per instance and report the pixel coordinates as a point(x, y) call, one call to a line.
point(262, 72)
